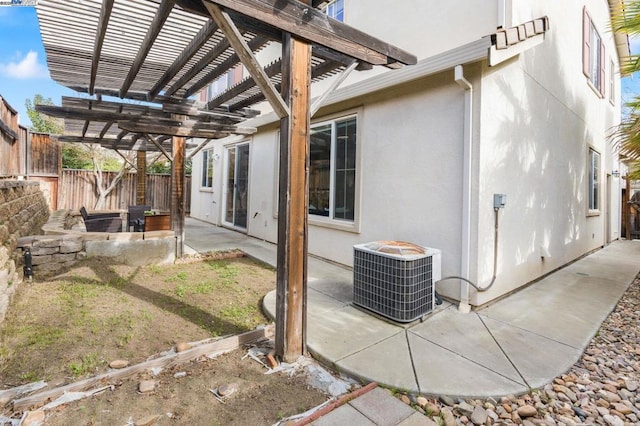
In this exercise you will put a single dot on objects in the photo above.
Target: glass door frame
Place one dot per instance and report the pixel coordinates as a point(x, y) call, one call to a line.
point(236, 196)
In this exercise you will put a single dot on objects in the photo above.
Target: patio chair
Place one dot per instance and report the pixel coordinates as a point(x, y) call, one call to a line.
point(104, 224)
point(101, 222)
point(136, 217)
point(87, 216)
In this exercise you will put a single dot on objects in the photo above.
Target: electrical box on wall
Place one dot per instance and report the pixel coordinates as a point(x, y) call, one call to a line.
point(499, 201)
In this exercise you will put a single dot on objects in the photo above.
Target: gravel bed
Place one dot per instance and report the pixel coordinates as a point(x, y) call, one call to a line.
point(600, 389)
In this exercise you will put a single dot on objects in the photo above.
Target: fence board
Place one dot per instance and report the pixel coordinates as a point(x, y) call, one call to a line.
point(12, 143)
point(46, 155)
point(77, 189)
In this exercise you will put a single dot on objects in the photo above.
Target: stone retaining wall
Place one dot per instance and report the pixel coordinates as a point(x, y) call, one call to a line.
point(23, 211)
point(60, 248)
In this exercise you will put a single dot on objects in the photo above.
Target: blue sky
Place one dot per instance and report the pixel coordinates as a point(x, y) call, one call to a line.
point(23, 69)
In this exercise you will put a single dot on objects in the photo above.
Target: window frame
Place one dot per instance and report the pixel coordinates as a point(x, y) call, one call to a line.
point(207, 172)
point(612, 83)
point(324, 221)
point(335, 14)
point(593, 56)
point(594, 186)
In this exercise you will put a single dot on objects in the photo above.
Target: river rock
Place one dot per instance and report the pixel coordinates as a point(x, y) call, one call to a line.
point(118, 364)
point(527, 411)
point(147, 386)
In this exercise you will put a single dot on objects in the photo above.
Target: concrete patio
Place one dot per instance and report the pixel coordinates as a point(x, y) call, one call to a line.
point(520, 342)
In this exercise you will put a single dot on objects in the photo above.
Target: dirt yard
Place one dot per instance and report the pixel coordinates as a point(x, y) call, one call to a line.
point(71, 326)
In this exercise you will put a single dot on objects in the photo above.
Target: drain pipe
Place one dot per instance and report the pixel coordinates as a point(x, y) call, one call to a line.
point(464, 305)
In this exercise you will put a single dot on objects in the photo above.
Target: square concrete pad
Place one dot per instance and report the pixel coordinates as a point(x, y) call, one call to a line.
point(344, 332)
point(388, 362)
point(467, 336)
point(343, 415)
point(564, 307)
point(381, 409)
point(443, 372)
point(536, 357)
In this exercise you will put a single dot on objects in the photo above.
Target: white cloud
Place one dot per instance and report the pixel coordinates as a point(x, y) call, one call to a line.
point(28, 67)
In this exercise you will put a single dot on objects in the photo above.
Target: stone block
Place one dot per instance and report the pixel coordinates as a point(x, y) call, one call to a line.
point(126, 236)
point(71, 245)
point(4, 306)
point(154, 235)
point(46, 242)
point(95, 236)
point(4, 280)
point(47, 269)
point(61, 258)
point(135, 253)
point(81, 255)
point(41, 251)
point(41, 260)
point(4, 255)
point(4, 233)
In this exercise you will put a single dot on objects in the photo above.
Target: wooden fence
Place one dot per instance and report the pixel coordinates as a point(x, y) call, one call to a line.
point(13, 141)
point(77, 189)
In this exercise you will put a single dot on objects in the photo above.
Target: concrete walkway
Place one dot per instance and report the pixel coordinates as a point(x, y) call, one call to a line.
point(518, 343)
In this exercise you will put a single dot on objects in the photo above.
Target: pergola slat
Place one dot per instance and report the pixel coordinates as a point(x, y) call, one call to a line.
point(105, 13)
point(296, 18)
point(248, 60)
point(196, 43)
point(163, 13)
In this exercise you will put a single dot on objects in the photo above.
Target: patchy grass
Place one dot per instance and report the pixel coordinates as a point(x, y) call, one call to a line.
point(74, 324)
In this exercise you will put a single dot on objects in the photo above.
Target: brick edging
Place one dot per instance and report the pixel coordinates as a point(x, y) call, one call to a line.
point(341, 401)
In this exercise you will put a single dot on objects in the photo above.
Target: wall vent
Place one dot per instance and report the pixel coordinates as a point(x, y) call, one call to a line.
point(395, 279)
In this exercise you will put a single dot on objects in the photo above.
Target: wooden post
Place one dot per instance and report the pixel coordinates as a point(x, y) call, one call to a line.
point(626, 208)
point(178, 210)
point(293, 202)
point(141, 177)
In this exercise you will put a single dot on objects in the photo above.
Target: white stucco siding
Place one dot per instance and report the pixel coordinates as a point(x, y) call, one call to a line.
point(421, 27)
point(539, 118)
point(205, 201)
point(424, 27)
point(263, 185)
point(411, 145)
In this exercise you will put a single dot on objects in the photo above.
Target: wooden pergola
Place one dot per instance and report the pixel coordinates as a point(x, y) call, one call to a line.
point(163, 52)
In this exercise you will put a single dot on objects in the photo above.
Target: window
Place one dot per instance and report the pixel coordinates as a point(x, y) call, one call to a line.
point(594, 180)
point(612, 83)
point(593, 62)
point(207, 169)
point(335, 10)
point(332, 169)
point(223, 83)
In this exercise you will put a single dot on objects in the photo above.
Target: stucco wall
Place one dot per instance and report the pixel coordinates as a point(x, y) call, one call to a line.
point(538, 122)
point(535, 117)
point(23, 211)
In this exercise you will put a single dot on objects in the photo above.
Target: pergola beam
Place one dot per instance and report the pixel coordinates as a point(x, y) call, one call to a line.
point(334, 85)
point(187, 128)
point(105, 14)
point(301, 20)
point(126, 160)
point(225, 66)
point(196, 44)
point(248, 60)
point(273, 69)
point(198, 149)
point(160, 147)
point(316, 71)
point(152, 33)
